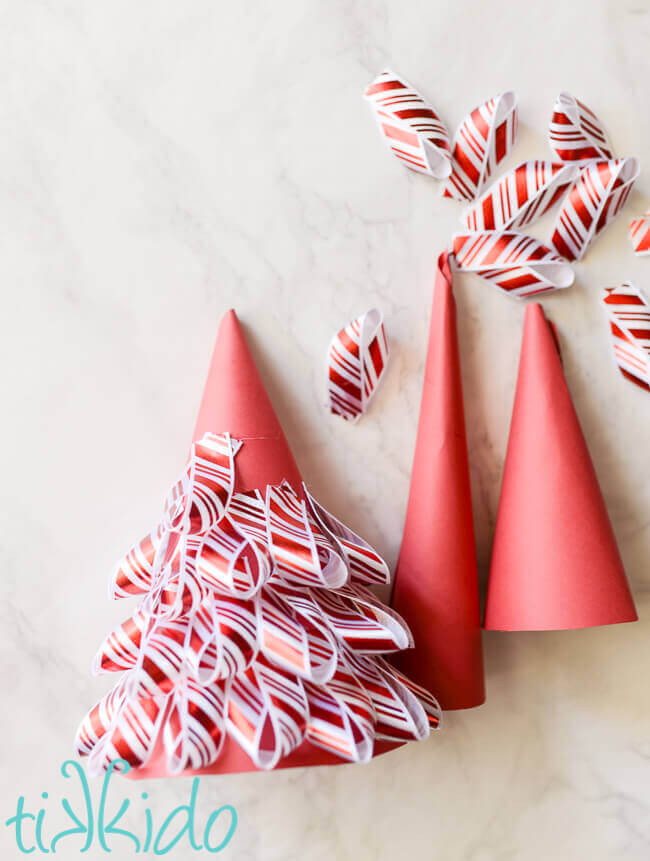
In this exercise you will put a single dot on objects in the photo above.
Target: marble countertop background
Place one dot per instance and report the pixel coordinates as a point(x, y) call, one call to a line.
point(162, 162)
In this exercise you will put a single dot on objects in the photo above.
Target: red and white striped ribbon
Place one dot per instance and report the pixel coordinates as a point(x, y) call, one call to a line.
point(640, 234)
point(356, 362)
point(411, 128)
point(514, 262)
point(595, 199)
point(575, 133)
point(254, 624)
point(628, 312)
point(481, 143)
point(521, 196)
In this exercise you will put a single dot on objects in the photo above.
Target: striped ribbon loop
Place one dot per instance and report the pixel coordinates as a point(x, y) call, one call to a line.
point(356, 362)
point(628, 312)
point(411, 128)
point(596, 198)
point(481, 143)
point(194, 730)
point(253, 624)
point(640, 234)
point(575, 133)
point(516, 263)
point(424, 697)
point(521, 196)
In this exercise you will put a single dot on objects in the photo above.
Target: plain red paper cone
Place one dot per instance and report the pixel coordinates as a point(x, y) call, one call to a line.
point(555, 563)
point(436, 582)
point(235, 400)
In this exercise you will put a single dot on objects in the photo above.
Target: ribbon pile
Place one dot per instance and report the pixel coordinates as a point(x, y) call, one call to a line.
point(255, 624)
point(589, 181)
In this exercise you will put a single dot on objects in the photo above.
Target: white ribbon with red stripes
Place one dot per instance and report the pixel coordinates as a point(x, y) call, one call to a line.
point(640, 234)
point(628, 313)
point(254, 624)
point(356, 362)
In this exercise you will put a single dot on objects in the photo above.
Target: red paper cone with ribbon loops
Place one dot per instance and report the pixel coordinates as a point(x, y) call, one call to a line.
point(436, 583)
point(256, 644)
point(555, 562)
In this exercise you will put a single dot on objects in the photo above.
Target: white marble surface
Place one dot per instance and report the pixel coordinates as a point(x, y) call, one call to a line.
point(164, 161)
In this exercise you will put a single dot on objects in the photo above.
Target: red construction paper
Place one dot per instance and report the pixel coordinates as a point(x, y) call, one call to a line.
point(235, 400)
point(436, 583)
point(555, 563)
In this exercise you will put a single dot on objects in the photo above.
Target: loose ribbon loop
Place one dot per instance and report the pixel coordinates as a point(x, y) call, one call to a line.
point(517, 264)
point(640, 234)
point(575, 133)
point(596, 198)
point(521, 196)
point(356, 362)
point(482, 141)
point(254, 624)
point(411, 128)
point(629, 321)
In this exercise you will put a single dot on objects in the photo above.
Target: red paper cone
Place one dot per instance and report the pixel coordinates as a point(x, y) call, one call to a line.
point(436, 583)
point(555, 563)
point(236, 401)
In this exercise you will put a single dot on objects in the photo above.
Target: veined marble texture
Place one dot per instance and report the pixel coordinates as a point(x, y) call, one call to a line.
point(161, 162)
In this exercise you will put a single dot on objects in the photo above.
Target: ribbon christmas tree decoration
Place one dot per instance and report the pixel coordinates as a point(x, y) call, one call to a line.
point(436, 582)
point(257, 643)
point(555, 562)
point(640, 234)
point(629, 321)
point(356, 362)
point(576, 134)
point(481, 143)
point(596, 198)
point(411, 128)
point(516, 263)
point(521, 196)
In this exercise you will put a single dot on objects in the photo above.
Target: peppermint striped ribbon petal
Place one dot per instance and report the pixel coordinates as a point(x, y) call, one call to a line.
point(293, 641)
point(119, 728)
point(410, 127)
point(514, 262)
point(302, 553)
point(267, 713)
point(597, 197)
point(121, 648)
point(361, 621)
point(521, 196)
point(194, 730)
point(133, 575)
point(198, 501)
point(341, 716)
point(356, 362)
point(365, 564)
point(575, 133)
point(424, 697)
point(629, 319)
point(230, 562)
point(161, 659)
point(482, 141)
point(640, 234)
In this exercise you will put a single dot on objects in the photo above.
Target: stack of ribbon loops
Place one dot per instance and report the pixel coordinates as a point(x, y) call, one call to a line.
point(255, 624)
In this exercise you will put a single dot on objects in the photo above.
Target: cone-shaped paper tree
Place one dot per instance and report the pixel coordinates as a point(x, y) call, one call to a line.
point(257, 643)
point(555, 563)
point(436, 583)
